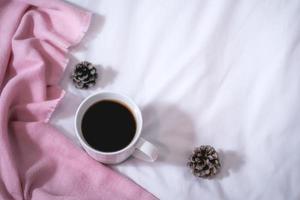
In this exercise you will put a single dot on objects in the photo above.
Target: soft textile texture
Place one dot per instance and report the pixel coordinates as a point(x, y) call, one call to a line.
point(224, 73)
point(37, 162)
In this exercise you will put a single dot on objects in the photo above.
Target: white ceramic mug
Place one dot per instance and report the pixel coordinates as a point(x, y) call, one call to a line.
point(138, 147)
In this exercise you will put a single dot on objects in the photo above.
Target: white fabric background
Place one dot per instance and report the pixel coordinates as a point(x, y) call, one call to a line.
point(224, 73)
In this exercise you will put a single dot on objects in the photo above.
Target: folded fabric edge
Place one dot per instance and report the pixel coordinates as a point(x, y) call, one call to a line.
point(84, 28)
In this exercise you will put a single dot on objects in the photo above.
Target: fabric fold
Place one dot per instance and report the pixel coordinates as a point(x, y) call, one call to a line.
point(36, 161)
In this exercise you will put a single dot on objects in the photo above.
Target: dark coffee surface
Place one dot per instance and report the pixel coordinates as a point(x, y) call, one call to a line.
point(108, 126)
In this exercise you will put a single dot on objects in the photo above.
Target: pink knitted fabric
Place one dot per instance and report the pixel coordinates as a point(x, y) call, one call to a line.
point(36, 161)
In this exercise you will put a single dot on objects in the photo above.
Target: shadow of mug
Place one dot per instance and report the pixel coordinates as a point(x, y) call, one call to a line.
point(171, 130)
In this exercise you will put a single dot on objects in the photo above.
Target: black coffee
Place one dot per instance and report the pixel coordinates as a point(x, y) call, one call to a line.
point(108, 126)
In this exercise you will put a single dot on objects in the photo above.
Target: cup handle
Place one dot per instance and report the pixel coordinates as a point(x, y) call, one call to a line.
point(146, 151)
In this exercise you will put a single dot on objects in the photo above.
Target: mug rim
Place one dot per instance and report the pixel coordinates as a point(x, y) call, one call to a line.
point(127, 99)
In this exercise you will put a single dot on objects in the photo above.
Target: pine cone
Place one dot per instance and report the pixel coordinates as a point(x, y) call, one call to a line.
point(204, 162)
point(84, 75)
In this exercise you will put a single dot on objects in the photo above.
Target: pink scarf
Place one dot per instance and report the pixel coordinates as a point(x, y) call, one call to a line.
point(36, 161)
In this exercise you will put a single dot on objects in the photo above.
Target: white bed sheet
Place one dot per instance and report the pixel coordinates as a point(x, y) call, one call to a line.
point(224, 73)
